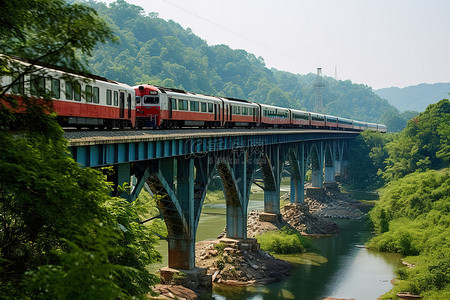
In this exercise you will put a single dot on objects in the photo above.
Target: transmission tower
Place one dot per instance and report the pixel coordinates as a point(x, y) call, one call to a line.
point(319, 85)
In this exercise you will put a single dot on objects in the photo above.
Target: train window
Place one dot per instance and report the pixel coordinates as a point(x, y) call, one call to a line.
point(116, 98)
point(18, 88)
point(37, 85)
point(245, 111)
point(193, 105)
point(96, 95)
point(138, 99)
point(69, 90)
point(210, 108)
point(88, 93)
point(56, 90)
point(77, 91)
point(108, 97)
point(151, 100)
point(182, 104)
point(203, 107)
point(174, 103)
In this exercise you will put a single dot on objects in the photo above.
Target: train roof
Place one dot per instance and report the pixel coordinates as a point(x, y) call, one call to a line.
point(63, 69)
point(273, 107)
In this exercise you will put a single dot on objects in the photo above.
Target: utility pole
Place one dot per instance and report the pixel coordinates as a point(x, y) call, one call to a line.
point(319, 85)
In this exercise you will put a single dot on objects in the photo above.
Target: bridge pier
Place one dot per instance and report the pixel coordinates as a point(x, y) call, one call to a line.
point(236, 172)
point(180, 185)
point(317, 160)
point(329, 165)
point(298, 172)
point(272, 164)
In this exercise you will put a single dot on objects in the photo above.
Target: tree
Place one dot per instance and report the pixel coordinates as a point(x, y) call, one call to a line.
point(393, 120)
point(50, 31)
point(367, 160)
point(422, 144)
point(61, 233)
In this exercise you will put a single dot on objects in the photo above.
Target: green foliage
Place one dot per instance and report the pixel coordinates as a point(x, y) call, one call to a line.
point(416, 208)
point(51, 31)
point(61, 233)
point(220, 248)
point(285, 241)
point(179, 278)
point(423, 145)
point(413, 196)
point(367, 160)
point(220, 263)
point(412, 216)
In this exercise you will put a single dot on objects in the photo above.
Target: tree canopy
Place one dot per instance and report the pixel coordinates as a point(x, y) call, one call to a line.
point(423, 144)
point(62, 234)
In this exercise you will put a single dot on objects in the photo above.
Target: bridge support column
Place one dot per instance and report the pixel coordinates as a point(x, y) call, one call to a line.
point(317, 158)
point(182, 247)
point(344, 160)
point(272, 166)
point(236, 174)
point(316, 190)
point(298, 171)
point(339, 149)
point(180, 186)
point(329, 165)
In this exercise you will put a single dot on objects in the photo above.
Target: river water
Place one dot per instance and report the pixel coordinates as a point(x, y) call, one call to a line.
point(337, 267)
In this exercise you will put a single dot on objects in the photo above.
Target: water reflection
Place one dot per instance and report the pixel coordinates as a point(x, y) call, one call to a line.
point(337, 269)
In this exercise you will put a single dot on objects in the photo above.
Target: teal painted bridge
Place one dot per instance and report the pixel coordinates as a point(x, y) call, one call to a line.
point(178, 166)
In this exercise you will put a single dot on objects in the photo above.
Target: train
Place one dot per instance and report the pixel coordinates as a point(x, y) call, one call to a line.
point(161, 107)
point(96, 102)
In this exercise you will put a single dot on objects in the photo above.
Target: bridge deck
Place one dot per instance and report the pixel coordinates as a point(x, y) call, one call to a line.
point(89, 137)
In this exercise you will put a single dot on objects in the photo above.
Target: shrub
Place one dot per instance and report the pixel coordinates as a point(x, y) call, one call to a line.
point(285, 241)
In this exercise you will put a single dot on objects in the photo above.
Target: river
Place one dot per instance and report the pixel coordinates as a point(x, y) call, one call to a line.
point(336, 268)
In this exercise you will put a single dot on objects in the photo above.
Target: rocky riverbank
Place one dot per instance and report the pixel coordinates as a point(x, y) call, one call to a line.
point(241, 263)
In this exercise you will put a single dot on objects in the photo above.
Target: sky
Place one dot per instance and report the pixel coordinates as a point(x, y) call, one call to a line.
point(380, 43)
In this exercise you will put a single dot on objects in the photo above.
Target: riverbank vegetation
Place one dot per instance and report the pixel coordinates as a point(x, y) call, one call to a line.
point(284, 241)
point(412, 215)
point(62, 234)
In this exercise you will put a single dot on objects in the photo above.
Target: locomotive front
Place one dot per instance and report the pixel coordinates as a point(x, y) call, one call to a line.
point(148, 109)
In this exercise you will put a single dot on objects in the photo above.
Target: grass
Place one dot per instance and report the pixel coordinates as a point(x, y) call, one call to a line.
point(284, 241)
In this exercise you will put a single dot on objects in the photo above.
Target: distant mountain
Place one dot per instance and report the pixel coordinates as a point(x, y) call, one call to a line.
point(416, 97)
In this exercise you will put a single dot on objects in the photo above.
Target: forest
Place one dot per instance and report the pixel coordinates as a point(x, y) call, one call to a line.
point(160, 52)
point(412, 216)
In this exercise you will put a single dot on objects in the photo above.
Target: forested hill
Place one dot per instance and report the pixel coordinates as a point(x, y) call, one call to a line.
point(416, 97)
point(156, 51)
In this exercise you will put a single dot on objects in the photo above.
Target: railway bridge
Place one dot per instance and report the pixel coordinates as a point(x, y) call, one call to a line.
point(178, 166)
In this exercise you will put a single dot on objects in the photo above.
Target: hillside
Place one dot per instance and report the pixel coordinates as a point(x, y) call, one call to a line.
point(416, 97)
point(155, 51)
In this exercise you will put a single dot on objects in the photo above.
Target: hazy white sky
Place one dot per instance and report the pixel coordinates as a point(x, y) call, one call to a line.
point(380, 43)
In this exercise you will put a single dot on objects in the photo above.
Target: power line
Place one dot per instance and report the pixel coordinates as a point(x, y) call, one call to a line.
point(229, 30)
